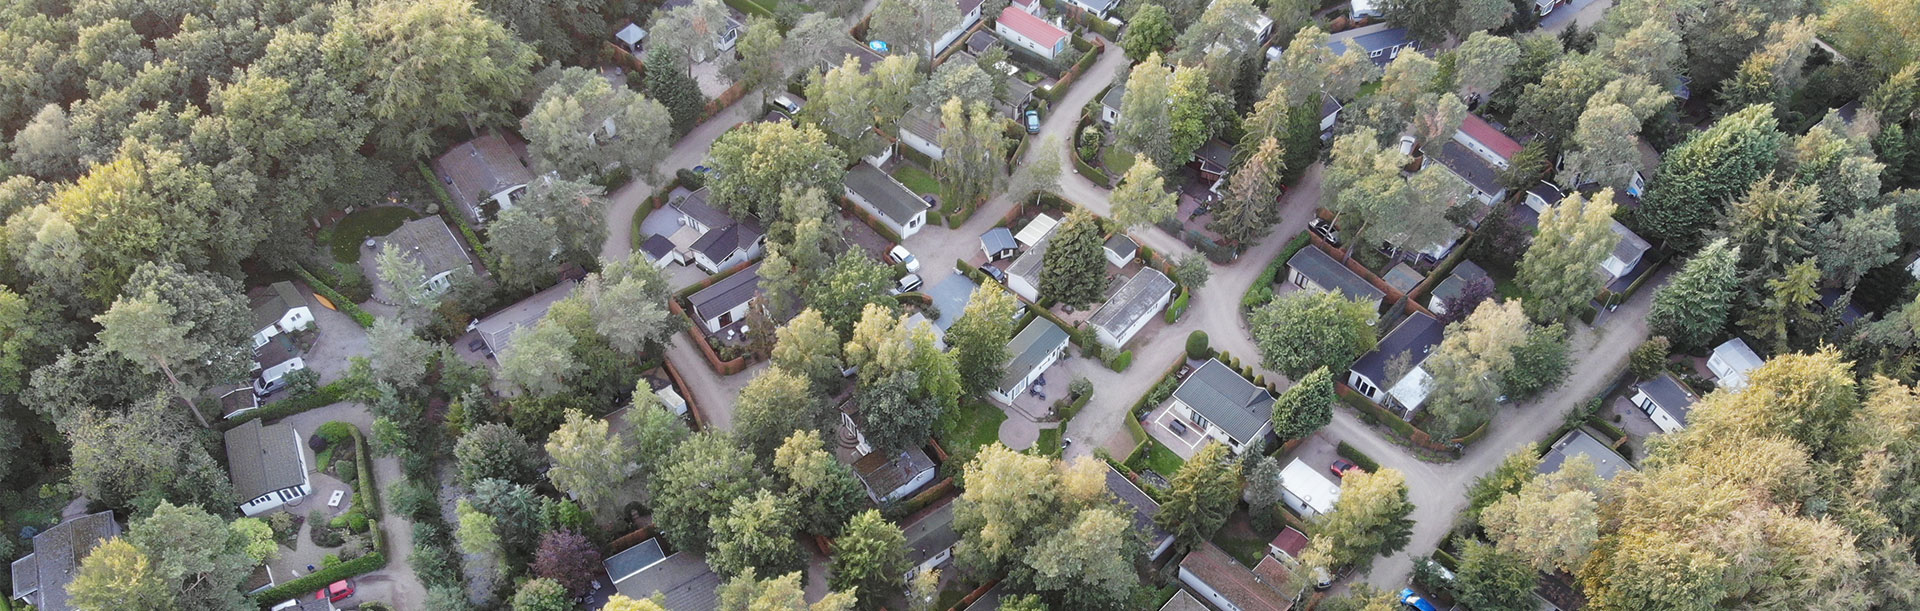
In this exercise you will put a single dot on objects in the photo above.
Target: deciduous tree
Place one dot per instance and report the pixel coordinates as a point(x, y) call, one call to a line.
point(1481, 62)
point(495, 451)
point(869, 559)
point(541, 361)
point(755, 163)
point(1146, 119)
point(756, 533)
point(1560, 271)
point(582, 125)
point(807, 347)
point(1150, 31)
point(973, 150)
point(117, 575)
point(1370, 519)
point(824, 489)
point(1468, 367)
point(431, 65)
point(1307, 330)
point(1089, 562)
point(774, 405)
point(197, 554)
point(1203, 492)
point(699, 481)
point(979, 338)
point(1142, 197)
point(1494, 580)
point(844, 290)
point(567, 557)
point(589, 464)
point(1552, 521)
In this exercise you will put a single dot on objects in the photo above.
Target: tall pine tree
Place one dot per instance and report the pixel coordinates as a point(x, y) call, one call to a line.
point(1692, 309)
point(1073, 269)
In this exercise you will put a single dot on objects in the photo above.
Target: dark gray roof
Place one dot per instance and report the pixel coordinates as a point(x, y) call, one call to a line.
point(1216, 155)
point(1320, 267)
point(1631, 246)
point(41, 577)
point(885, 474)
point(481, 167)
point(1114, 95)
point(1373, 41)
point(657, 246)
point(1416, 336)
point(684, 579)
point(930, 534)
point(980, 41)
point(263, 458)
point(1136, 299)
point(728, 293)
point(696, 205)
point(1029, 347)
point(997, 239)
point(1122, 245)
point(891, 198)
point(1403, 278)
point(500, 327)
point(854, 48)
point(1606, 462)
point(1667, 392)
point(1469, 167)
point(430, 242)
point(1457, 281)
point(1328, 105)
point(1548, 192)
point(277, 350)
point(1029, 263)
point(1143, 506)
point(1230, 401)
point(281, 297)
point(723, 242)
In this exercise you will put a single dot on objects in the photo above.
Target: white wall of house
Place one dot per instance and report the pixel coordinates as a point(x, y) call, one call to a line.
point(1213, 431)
point(919, 479)
point(734, 258)
point(439, 283)
point(295, 319)
point(1302, 281)
point(1660, 417)
point(1109, 114)
point(921, 143)
point(1365, 386)
point(1615, 267)
point(930, 563)
point(1206, 591)
point(273, 500)
point(1026, 288)
point(1479, 148)
point(726, 318)
point(967, 22)
point(1306, 490)
point(670, 258)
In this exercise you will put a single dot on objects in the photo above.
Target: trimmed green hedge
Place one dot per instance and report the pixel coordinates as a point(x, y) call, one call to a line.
point(320, 397)
point(1262, 290)
point(1374, 413)
point(1359, 458)
point(312, 582)
point(1178, 308)
point(1121, 361)
point(346, 306)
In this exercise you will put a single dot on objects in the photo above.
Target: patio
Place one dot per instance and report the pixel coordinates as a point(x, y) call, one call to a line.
point(1036, 404)
point(1175, 432)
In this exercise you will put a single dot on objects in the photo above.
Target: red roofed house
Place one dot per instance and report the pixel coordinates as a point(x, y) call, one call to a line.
point(1030, 33)
point(1288, 544)
point(1486, 141)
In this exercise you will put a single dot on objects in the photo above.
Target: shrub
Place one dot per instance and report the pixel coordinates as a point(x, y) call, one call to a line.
point(1080, 387)
point(1178, 307)
point(1121, 361)
point(1359, 458)
point(1198, 347)
point(302, 382)
point(335, 432)
point(1649, 357)
point(1162, 391)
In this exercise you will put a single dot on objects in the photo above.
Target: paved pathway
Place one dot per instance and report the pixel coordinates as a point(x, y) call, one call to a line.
point(396, 584)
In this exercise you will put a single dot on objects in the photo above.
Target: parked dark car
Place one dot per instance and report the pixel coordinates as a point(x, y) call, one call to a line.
point(994, 273)
point(1033, 121)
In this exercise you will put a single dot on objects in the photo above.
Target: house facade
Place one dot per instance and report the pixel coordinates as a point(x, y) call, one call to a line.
point(1380, 45)
point(485, 175)
point(713, 239)
point(1626, 253)
point(1110, 103)
point(930, 540)
point(268, 464)
point(1033, 34)
point(890, 202)
point(1120, 250)
point(283, 309)
point(1224, 406)
point(1034, 349)
point(891, 477)
point(1467, 272)
point(725, 302)
point(997, 243)
point(430, 243)
point(1412, 342)
point(969, 16)
point(1666, 400)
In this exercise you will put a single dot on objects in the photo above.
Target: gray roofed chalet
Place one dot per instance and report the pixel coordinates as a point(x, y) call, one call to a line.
point(728, 293)
point(40, 578)
point(1606, 462)
point(1316, 265)
point(430, 242)
point(1030, 347)
point(887, 196)
point(281, 297)
point(683, 579)
point(1416, 336)
point(1456, 281)
point(696, 206)
point(1227, 399)
point(1122, 246)
point(1143, 506)
point(263, 458)
point(1123, 314)
point(483, 167)
point(1473, 169)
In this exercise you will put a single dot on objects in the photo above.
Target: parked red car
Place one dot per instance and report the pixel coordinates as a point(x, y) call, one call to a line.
point(1341, 467)
point(337, 592)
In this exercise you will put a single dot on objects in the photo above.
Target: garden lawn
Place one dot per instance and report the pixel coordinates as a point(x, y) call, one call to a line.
point(1238, 539)
point(1116, 161)
point(1049, 442)
point(1162, 460)
point(355, 228)
point(923, 183)
point(971, 426)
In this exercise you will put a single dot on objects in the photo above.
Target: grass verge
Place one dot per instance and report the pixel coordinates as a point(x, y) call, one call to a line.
point(353, 229)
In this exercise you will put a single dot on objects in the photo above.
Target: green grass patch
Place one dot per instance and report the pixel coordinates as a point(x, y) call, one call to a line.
point(1162, 460)
point(1116, 161)
point(1238, 539)
point(971, 426)
point(355, 228)
point(925, 184)
point(1049, 443)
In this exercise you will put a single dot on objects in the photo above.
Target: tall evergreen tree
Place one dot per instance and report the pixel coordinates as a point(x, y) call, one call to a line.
point(1203, 493)
point(1073, 270)
point(1305, 407)
point(1560, 271)
point(1697, 178)
point(674, 88)
point(1691, 310)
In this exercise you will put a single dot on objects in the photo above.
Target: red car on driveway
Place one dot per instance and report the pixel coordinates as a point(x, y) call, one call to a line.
point(1341, 467)
point(336, 592)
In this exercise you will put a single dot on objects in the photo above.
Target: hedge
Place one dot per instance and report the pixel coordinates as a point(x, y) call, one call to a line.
point(446, 208)
point(1198, 346)
point(1359, 458)
point(312, 582)
point(1262, 290)
point(1178, 308)
point(1121, 361)
point(320, 397)
point(1373, 412)
point(345, 305)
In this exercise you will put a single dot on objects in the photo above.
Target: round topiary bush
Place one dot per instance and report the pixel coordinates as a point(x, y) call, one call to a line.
point(1198, 347)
